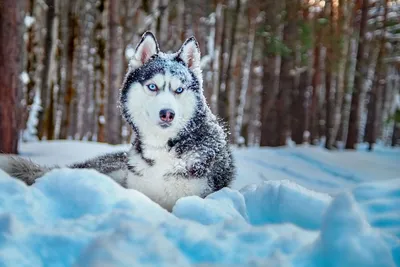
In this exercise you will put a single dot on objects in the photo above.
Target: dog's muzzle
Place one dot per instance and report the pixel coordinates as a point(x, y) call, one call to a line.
point(167, 115)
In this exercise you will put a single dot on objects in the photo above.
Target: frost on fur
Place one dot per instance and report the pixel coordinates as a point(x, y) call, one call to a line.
point(146, 48)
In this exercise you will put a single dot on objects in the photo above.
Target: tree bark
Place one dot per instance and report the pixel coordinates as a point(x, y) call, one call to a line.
point(246, 72)
point(330, 75)
point(113, 121)
point(100, 72)
point(288, 73)
point(354, 120)
point(10, 52)
point(45, 93)
point(216, 56)
point(224, 103)
point(270, 80)
point(376, 93)
point(395, 130)
point(345, 17)
point(316, 83)
point(31, 59)
point(298, 110)
point(71, 34)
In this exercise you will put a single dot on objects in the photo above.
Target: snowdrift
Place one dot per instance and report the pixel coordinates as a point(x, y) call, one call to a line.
point(82, 218)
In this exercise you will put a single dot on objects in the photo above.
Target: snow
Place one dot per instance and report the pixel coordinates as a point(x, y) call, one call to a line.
point(30, 133)
point(24, 77)
point(28, 21)
point(300, 206)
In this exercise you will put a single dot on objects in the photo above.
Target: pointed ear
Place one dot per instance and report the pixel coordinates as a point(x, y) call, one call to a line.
point(147, 47)
point(190, 54)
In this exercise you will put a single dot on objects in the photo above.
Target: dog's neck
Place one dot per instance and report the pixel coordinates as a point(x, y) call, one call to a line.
point(150, 143)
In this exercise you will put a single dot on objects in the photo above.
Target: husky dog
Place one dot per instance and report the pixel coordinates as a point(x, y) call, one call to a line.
point(180, 147)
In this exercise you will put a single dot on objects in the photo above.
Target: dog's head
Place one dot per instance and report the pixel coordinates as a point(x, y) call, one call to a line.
point(162, 92)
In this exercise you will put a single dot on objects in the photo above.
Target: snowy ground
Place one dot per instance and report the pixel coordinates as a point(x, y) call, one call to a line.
point(295, 207)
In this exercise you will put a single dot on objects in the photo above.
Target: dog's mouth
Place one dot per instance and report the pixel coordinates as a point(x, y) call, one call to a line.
point(164, 125)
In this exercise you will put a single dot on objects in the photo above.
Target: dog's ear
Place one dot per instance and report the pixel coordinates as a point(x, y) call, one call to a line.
point(147, 47)
point(189, 53)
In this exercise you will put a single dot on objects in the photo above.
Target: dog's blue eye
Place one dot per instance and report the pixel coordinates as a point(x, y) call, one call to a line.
point(179, 90)
point(152, 87)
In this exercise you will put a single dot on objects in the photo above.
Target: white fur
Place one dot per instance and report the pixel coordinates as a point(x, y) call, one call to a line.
point(146, 48)
point(190, 54)
point(163, 190)
point(145, 105)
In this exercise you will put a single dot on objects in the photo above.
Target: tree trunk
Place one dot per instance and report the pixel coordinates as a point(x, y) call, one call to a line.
point(10, 53)
point(283, 99)
point(372, 50)
point(354, 120)
point(345, 17)
point(348, 84)
point(246, 72)
point(45, 93)
point(270, 90)
point(253, 106)
point(114, 76)
point(224, 103)
point(216, 56)
point(271, 67)
point(221, 86)
point(287, 73)
point(301, 94)
point(181, 22)
point(54, 74)
point(314, 107)
point(376, 93)
point(330, 75)
point(395, 130)
point(300, 79)
point(164, 34)
point(316, 84)
point(71, 34)
point(31, 63)
point(299, 115)
point(100, 72)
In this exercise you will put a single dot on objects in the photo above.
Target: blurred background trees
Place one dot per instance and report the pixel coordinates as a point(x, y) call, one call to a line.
point(316, 71)
point(10, 67)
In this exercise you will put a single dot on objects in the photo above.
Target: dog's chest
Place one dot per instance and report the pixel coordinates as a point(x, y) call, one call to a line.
point(159, 162)
point(162, 180)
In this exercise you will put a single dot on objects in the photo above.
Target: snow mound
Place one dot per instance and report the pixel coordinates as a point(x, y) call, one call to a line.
point(82, 218)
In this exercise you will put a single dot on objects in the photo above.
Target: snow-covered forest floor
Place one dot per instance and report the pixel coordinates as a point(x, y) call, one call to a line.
point(293, 206)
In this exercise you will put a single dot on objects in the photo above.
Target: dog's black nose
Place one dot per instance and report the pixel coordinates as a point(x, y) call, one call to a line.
point(167, 115)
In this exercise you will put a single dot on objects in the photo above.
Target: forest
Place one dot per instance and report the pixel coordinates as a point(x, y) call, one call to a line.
point(323, 72)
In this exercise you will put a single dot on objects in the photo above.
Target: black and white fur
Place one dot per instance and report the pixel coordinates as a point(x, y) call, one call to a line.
point(190, 156)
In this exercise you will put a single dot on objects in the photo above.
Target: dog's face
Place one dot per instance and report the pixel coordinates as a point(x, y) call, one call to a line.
point(162, 91)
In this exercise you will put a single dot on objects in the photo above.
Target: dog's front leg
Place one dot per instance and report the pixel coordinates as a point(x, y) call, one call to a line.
point(201, 163)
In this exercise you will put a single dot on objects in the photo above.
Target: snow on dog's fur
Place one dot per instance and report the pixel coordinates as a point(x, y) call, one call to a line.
point(180, 148)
